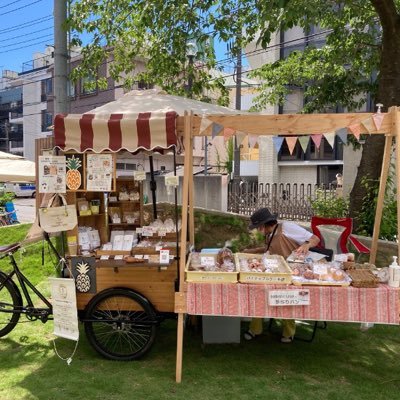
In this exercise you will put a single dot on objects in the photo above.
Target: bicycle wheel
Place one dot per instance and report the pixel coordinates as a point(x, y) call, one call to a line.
point(10, 299)
point(120, 324)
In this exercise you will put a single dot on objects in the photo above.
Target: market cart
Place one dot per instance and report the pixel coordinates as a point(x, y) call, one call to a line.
point(237, 299)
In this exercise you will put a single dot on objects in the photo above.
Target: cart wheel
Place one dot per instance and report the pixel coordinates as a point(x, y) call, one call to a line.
point(120, 324)
point(10, 299)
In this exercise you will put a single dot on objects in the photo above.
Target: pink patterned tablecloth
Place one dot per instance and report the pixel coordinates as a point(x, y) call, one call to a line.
point(341, 304)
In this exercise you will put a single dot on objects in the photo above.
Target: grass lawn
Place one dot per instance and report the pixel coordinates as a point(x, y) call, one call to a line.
point(341, 363)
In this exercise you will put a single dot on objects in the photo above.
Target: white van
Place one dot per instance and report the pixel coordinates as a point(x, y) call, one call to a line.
point(21, 189)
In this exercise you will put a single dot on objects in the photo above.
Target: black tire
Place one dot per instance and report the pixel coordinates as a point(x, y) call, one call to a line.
point(33, 195)
point(10, 299)
point(120, 324)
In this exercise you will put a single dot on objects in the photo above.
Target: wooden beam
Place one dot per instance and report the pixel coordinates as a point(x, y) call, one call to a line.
point(182, 259)
point(381, 194)
point(287, 124)
point(396, 128)
point(191, 194)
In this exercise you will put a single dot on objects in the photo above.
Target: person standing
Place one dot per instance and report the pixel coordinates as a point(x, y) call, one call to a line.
point(282, 239)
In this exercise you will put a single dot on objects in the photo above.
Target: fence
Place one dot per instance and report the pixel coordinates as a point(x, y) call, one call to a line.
point(290, 201)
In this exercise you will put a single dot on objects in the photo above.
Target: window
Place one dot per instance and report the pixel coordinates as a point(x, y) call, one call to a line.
point(88, 85)
point(46, 88)
point(47, 120)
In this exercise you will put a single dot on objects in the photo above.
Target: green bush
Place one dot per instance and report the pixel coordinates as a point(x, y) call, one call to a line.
point(366, 216)
point(5, 198)
point(326, 204)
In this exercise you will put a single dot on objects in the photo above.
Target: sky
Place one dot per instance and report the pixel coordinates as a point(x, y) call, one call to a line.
point(26, 26)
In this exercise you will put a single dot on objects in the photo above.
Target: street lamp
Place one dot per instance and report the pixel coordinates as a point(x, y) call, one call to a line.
point(191, 52)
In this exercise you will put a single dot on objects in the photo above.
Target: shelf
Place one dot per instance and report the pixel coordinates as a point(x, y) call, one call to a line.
point(91, 215)
point(124, 224)
point(125, 202)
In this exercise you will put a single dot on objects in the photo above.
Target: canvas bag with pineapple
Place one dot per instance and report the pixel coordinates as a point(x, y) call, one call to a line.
point(53, 218)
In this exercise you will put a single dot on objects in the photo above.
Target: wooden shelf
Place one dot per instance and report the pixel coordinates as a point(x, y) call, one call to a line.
point(91, 215)
point(124, 224)
point(125, 202)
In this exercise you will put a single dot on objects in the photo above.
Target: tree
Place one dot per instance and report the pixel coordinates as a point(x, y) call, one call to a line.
point(361, 54)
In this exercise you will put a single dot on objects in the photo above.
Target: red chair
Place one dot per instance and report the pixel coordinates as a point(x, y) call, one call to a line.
point(344, 237)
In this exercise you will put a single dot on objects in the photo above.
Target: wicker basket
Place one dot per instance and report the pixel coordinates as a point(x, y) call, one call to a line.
point(353, 265)
point(363, 278)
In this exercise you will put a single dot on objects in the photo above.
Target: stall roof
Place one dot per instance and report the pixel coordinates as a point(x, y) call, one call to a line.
point(16, 169)
point(140, 120)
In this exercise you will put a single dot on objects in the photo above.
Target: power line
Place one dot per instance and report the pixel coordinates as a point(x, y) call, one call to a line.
point(24, 47)
point(26, 34)
point(20, 8)
point(24, 41)
point(10, 4)
point(26, 24)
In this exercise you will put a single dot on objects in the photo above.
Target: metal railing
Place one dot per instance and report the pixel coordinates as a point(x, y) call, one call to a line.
point(290, 201)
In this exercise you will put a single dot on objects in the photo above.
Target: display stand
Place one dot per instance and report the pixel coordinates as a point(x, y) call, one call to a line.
point(287, 125)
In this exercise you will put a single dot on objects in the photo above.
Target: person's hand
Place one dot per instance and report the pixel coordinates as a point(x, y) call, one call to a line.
point(303, 249)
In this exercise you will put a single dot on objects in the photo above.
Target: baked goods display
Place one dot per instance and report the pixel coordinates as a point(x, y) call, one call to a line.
point(223, 261)
point(320, 273)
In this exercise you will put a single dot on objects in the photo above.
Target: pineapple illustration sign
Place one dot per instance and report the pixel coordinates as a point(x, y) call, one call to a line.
point(84, 273)
point(74, 165)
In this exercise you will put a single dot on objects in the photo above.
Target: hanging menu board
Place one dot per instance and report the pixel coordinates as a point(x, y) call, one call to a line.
point(52, 174)
point(99, 172)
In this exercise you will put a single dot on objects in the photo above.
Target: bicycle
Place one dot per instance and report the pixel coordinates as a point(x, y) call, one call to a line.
point(119, 323)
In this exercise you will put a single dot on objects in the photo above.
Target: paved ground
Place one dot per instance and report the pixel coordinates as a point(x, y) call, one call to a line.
point(25, 208)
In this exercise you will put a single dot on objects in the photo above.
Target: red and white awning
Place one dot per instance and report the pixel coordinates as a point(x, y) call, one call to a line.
point(130, 131)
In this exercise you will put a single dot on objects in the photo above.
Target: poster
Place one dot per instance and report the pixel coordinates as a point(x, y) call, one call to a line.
point(65, 310)
point(99, 172)
point(74, 163)
point(52, 174)
point(84, 272)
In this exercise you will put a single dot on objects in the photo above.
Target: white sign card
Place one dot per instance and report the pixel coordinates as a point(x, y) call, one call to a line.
point(65, 310)
point(172, 181)
point(139, 175)
point(52, 173)
point(207, 261)
point(99, 172)
point(299, 297)
point(164, 256)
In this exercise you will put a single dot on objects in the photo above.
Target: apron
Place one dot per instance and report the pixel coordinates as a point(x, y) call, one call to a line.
point(280, 244)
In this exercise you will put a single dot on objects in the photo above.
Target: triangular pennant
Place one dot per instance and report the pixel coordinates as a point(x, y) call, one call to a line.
point(253, 139)
point(240, 137)
point(204, 124)
point(369, 124)
point(216, 129)
point(277, 140)
point(317, 140)
point(378, 119)
point(228, 133)
point(342, 133)
point(291, 142)
point(303, 140)
point(355, 129)
point(330, 137)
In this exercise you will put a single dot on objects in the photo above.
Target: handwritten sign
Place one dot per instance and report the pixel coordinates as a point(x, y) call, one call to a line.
point(289, 297)
point(172, 181)
point(139, 175)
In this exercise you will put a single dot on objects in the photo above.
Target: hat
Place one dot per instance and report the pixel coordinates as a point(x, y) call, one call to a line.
point(260, 217)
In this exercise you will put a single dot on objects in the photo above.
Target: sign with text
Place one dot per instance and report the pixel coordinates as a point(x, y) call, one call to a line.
point(299, 297)
point(65, 310)
point(139, 175)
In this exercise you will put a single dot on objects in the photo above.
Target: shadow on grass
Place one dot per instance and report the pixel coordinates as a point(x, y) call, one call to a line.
point(342, 362)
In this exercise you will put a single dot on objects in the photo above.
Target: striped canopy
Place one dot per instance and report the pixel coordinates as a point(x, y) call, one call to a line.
point(117, 131)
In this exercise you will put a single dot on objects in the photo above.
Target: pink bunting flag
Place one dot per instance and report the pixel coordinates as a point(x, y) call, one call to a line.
point(369, 124)
point(228, 133)
point(291, 142)
point(317, 140)
point(355, 129)
point(253, 139)
point(378, 119)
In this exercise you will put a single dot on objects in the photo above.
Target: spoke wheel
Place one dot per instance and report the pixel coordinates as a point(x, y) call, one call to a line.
point(10, 299)
point(120, 324)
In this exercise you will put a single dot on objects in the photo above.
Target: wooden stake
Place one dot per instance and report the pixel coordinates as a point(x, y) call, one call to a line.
point(381, 194)
point(182, 260)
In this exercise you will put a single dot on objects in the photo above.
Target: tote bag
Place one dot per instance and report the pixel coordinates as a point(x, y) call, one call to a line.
point(58, 219)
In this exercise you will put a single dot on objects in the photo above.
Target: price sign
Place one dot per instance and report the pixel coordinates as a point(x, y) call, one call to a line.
point(164, 256)
point(207, 261)
point(172, 181)
point(299, 297)
point(139, 175)
point(147, 231)
point(162, 232)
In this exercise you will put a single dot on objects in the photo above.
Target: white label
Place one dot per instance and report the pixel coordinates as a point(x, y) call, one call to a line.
point(289, 297)
point(65, 310)
point(139, 231)
point(162, 232)
point(147, 231)
point(164, 256)
point(207, 261)
point(172, 181)
point(139, 175)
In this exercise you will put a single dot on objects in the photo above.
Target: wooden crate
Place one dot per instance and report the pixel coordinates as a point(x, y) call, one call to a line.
point(209, 276)
point(284, 276)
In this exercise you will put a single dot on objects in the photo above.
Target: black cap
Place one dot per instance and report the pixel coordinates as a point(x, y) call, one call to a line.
point(260, 217)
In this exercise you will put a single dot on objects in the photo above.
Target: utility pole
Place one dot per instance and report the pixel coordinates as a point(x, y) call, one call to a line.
point(236, 154)
point(60, 58)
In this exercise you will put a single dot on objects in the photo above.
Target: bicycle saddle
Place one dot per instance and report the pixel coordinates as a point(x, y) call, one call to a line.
point(9, 247)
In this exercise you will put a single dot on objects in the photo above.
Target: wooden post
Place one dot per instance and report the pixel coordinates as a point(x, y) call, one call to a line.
point(381, 193)
point(396, 129)
point(191, 187)
point(182, 260)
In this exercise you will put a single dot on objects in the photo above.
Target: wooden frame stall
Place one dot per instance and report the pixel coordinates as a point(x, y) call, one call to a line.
point(288, 125)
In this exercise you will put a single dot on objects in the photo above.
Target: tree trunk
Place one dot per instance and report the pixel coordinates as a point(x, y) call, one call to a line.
point(388, 94)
